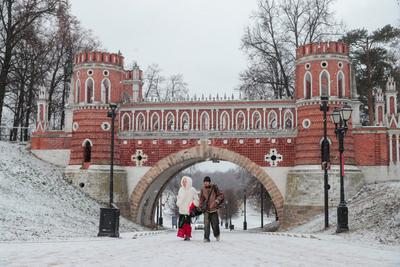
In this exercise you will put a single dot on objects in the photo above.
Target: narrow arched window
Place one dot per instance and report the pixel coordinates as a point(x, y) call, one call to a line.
point(89, 90)
point(324, 83)
point(170, 122)
point(204, 122)
point(105, 91)
point(140, 123)
point(224, 122)
point(272, 120)
point(185, 122)
point(288, 119)
point(87, 152)
point(78, 91)
point(340, 85)
point(256, 121)
point(240, 121)
point(126, 122)
point(307, 86)
point(155, 122)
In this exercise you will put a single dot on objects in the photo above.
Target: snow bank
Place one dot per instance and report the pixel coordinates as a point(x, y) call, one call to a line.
point(37, 203)
point(374, 215)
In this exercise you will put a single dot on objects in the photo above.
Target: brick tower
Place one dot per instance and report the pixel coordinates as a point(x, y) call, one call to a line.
point(322, 70)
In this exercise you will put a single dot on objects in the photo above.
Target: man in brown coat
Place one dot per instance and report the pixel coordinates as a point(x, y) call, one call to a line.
point(210, 199)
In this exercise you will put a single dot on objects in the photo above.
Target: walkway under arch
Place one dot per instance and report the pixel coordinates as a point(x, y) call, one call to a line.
point(143, 197)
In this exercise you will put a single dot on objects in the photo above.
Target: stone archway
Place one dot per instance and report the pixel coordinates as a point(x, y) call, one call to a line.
point(151, 184)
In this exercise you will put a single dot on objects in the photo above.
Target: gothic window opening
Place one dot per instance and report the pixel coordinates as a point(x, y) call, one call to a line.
point(240, 121)
point(256, 122)
point(307, 86)
point(105, 91)
point(170, 122)
point(340, 85)
point(324, 83)
point(78, 91)
point(185, 122)
point(87, 152)
point(272, 120)
point(204, 122)
point(288, 119)
point(140, 123)
point(224, 122)
point(89, 90)
point(155, 122)
point(126, 122)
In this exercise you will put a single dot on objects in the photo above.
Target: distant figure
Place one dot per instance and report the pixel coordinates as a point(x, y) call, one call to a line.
point(187, 197)
point(210, 200)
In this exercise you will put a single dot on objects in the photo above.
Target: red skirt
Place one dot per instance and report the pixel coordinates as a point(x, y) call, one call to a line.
point(185, 230)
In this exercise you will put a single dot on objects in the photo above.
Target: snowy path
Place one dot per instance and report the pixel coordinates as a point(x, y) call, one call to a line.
point(164, 249)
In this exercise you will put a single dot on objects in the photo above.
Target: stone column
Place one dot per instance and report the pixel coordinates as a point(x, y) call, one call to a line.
point(390, 149)
point(397, 149)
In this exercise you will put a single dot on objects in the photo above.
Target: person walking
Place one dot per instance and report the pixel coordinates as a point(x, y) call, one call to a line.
point(187, 197)
point(210, 200)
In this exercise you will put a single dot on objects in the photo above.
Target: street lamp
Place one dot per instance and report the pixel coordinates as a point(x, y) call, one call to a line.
point(226, 214)
point(325, 158)
point(340, 117)
point(109, 217)
point(244, 211)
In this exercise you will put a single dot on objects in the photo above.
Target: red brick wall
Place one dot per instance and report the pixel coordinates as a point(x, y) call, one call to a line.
point(255, 152)
point(371, 146)
point(50, 140)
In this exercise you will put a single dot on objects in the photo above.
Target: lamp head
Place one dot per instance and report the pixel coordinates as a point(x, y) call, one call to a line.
point(345, 112)
point(335, 116)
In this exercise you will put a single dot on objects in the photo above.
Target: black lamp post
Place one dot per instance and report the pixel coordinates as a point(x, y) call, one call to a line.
point(226, 214)
point(244, 211)
point(340, 117)
point(262, 205)
point(109, 217)
point(325, 158)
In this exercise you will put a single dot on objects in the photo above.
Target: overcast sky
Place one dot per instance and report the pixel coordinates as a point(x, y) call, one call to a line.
point(198, 38)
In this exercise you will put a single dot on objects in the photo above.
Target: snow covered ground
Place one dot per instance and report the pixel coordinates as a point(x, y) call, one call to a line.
point(165, 249)
point(44, 221)
point(374, 216)
point(36, 203)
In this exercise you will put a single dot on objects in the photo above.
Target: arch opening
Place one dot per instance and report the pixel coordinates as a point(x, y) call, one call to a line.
point(144, 198)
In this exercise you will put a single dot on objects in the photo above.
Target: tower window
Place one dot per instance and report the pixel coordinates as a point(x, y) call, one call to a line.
point(87, 152)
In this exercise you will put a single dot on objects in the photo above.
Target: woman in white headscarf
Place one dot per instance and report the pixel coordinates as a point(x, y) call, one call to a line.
point(187, 198)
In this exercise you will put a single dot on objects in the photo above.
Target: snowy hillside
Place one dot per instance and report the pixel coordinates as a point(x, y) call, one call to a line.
point(374, 215)
point(37, 203)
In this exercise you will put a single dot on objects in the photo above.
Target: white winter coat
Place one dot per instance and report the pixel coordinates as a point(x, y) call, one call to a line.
point(186, 196)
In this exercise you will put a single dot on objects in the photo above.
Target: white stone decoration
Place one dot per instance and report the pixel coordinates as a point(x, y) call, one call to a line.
point(306, 123)
point(241, 141)
point(273, 157)
point(139, 157)
point(106, 73)
point(324, 64)
point(125, 142)
point(225, 141)
point(90, 72)
point(184, 142)
point(154, 142)
point(169, 142)
point(75, 126)
point(273, 140)
point(139, 142)
point(209, 141)
point(105, 126)
point(340, 64)
point(258, 141)
point(198, 142)
point(289, 141)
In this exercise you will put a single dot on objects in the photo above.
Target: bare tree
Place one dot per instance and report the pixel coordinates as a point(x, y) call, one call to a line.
point(161, 88)
point(278, 29)
point(16, 18)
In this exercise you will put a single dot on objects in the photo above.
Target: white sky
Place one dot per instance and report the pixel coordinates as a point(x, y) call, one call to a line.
point(200, 39)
